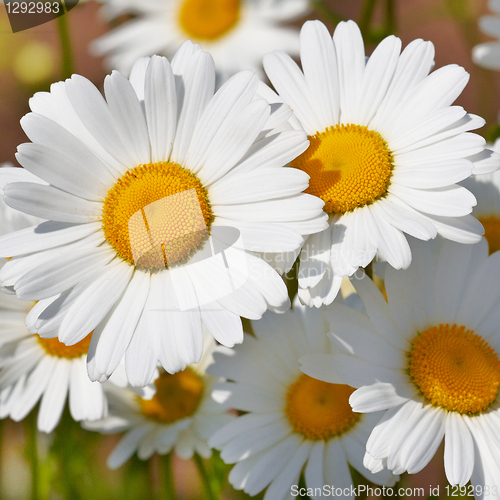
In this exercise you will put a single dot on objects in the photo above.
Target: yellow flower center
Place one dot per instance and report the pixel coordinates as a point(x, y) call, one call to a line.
point(177, 396)
point(156, 215)
point(454, 368)
point(349, 165)
point(491, 232)
point(208, 19)
point(55, 348)
point(319, 410)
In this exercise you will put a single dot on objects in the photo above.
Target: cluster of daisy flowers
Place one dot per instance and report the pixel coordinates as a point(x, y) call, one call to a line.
point(147, 222)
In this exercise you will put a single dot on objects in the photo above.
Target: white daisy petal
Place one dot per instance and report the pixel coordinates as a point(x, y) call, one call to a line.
point(351, 61)
point(161, 107)
point(44, 236)
point(14, 174)
point(355, 452)
point(377, 77)
point(126, 447)
point(467, 229)
point(313, 472)
point(274, 150)
point(451, 201)
point(230, 100)
point(54, 398)
point(319, 63)
point(141, 356)
point(62, 273)
point(291, 85)
point(336, 471)
point(95, 302)
point(224, 325)
point(50, 203)
point(280, 487)
point(86, 398)
point(232, 141)
point(229, 190)
point(270, 464)
point(458, 450)
point(413, 66)
point(380, 395)
point(194, 93)
point(35, 386)
point(433, 175)
point(118, 331)
point(417, 451)
point(96, 116)
point(320, 366)
point(254, 441)
point(77, 156)
point(128, 116)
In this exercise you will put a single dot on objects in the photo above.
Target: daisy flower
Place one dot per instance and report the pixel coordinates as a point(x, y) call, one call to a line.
point(386, 150)
point(486, 189)
point(33, 369)
point(156, 200)
point(294, 422)
point(429, 357)
point(178, 415)
point(487, 54)
point(236, 32)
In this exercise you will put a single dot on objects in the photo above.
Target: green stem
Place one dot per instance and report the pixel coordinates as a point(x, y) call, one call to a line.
point(390, 17)
point(292, 279)
point(32, 453)
point(168, 485)
point(365, 17)
point(66, 50)
point(210, 487)
point(369, 270)
point(325, 12)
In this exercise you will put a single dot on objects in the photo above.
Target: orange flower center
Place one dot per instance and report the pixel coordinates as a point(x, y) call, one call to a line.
point(454, 368)
point(55, 348)
point(157, 215)
point(177, 397)
point(209, 19)
point(349, 167)
point(319, 410)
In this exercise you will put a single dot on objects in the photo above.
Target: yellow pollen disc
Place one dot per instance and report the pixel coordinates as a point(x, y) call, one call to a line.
point(208, 19)
point(491, 232)
point(156, 215)
point(55, 348)
point(177, 396)
point(454, 368)
point(349, 165)
point(319, 410)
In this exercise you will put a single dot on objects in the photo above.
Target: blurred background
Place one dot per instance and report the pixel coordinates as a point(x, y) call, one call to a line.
point(73, 466)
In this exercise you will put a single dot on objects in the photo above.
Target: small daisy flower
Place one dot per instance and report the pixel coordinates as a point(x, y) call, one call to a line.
point(487, 54)
point(294, 422)
point(158, 200)
point(429, 357)
point(386, 149)
point(486, 189)
point(236, 32)
point(34, 369)
point(180, 416)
